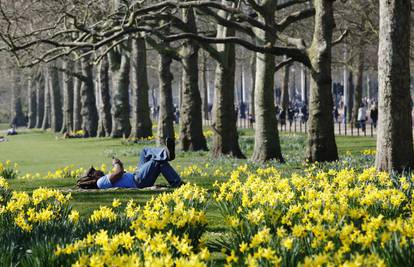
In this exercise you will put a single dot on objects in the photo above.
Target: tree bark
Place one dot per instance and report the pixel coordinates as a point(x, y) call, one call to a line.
point(77, 105)
point(191, 126)
point(253, 83)
point(204, 87)
point(226, 138)
point(88, 100)
point(358, 86)
point(142, 125)
point(17, 115)
point(394, 136)
point(120, 67)
point(166, 114)
point(55, 99)
point(40, 98)
point(105, 117)
point(285, 87)
point(303, 85)
point(32, 105)
point(267, 144)
point(47, 107)
point(351, 91)
point(68, 93)
point(321, 137)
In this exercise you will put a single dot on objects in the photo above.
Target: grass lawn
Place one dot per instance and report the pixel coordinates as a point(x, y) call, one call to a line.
point(37, 151)
point(4, 126)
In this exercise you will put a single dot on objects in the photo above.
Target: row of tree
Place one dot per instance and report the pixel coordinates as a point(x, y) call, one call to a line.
point(117, 39)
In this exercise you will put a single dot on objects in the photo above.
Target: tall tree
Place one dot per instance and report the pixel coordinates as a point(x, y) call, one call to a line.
point(47, 105)
point(68, 91)
point(394, 134)
point(266, 140)
point(252, 83)
point(88, 100)
point(321, 136)
point(119, 63)
point(77, 105)
point(55, 98)
point(191, 127)
point(166, 113)
point(226, 139)
point(359, 83)
point(17, 115)
point(285, 87)
point(105, 117)
point(142, 125)
point(205, 86)
point(32, 105)
point(40, 97)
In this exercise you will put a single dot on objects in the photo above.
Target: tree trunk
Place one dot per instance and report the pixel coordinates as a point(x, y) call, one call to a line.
point(67, 96)
point(142, 125)
point(17, 115)
point(55, 99)
point(226, 138)
point(32, 104)
point(394, 136)
point(105, 117)
point(191, 126)
point(285, 88)
point(303, 84)
point(88, 100)
point(120, 67)
point(77, 117)
point(253, 83)
point(40, 98)
point(321, 137)
point(358, 86)
point(351, 91)
point(47, 108)
point(166, 114)
point(267, 144)
point(205, 86)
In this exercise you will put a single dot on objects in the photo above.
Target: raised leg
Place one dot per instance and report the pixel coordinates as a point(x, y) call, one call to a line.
point(147, 174)
point(170, 174)
point(152, 153)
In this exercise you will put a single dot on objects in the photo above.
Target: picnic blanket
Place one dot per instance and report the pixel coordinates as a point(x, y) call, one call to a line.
point(158, 188)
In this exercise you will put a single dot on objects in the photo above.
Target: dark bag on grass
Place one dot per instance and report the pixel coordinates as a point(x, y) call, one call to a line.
point(88, 181)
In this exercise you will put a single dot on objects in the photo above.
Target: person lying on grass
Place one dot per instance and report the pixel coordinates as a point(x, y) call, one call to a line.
point(152, 163)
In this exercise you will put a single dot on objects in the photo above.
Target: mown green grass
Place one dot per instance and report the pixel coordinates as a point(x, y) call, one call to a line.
point(38, 151)
point(4, 126)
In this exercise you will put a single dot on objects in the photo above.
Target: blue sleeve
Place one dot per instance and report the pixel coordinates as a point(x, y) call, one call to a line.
point(104, 183)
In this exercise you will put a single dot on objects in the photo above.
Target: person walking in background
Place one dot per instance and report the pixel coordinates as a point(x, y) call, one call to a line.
point(282, 117)
point(291, 115)
point(374, 115)
point(336, 113)
point(362, 116)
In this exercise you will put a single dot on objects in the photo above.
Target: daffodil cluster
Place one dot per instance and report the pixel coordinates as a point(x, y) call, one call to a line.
point(369, 152)
point(8, 170)
point(193, 170)
point(182, 212)
point(208, 133)
point(126, 249)
point(164, 232)
point(25, 212)
point(319, 218)
point(66, 172)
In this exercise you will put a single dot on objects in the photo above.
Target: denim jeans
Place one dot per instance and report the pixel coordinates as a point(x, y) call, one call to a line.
point(153, 162)
point(362, 125)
